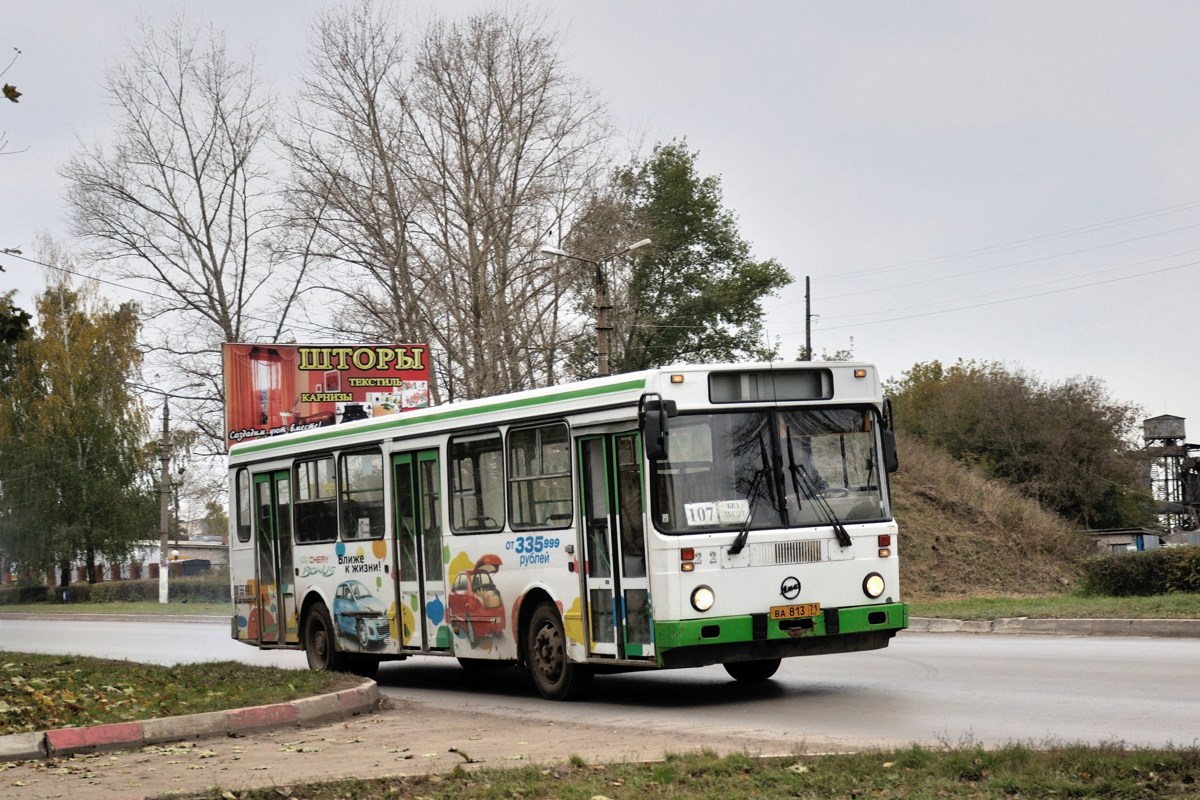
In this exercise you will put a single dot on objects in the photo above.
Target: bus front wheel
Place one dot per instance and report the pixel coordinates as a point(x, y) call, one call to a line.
point(320, 642)
point(556, 677)
point(752, 671)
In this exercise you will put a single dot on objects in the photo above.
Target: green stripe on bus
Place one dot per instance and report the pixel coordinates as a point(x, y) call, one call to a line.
point(450, 413)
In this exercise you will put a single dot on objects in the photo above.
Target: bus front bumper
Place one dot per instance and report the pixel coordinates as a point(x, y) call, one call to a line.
point(698, 642)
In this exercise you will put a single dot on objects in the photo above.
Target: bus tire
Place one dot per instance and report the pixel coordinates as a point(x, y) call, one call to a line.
point(752, 671)
point(556, 677)
point(320, 642)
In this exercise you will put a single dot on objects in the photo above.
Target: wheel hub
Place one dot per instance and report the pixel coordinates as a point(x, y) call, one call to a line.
point(549, 651)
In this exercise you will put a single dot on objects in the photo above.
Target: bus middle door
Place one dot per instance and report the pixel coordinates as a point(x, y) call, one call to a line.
point(614, 546)
point(420, 578)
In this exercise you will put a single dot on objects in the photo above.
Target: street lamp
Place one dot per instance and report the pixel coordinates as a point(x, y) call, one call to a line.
point(164, 487)
point(602, 306)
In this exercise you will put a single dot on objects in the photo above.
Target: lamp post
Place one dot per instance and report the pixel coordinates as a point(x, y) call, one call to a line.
point(164, 487)
point(601, 307)
point(164, 499)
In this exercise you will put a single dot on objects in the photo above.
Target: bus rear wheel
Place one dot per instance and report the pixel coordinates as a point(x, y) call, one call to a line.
point(320, 642)
point(752, 671)
point(556, 677)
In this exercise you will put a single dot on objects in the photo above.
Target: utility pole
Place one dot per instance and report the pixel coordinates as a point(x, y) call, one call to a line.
point(602, 326)
point(164, 499)
point(602, 306)
point(807, 319)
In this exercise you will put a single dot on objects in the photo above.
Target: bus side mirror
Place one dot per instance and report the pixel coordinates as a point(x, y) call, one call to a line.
point(890, 460)
point(653, 413)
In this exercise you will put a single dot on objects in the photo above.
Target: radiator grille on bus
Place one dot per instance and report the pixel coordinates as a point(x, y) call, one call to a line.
point(807, 552)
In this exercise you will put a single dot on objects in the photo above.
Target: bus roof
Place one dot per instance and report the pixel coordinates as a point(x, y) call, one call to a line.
point(613, 390)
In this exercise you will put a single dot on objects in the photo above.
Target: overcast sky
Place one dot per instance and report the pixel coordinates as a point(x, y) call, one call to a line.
point(1011, 181)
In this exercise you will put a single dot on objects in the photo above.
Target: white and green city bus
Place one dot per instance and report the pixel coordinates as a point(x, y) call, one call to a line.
point(733, 514)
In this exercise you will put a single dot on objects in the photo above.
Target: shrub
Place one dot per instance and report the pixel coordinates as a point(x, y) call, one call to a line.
point(1165, 570)
point(14, 595)
point(201, 590)
point(209, 589)
point(122, 591)
point(77, 592)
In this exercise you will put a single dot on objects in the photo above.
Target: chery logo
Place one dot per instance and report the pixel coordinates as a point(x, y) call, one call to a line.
point(790, 588)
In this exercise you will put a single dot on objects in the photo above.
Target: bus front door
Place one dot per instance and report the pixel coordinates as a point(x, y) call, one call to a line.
point(614, 547)
point(420, 573)
point(273, 613)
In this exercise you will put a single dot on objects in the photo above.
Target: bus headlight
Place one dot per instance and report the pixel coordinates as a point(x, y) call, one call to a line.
point(703, 598)
point(873, 585)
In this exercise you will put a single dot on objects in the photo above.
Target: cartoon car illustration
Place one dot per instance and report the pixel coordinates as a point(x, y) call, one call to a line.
point(357, 612)
point(475, 603)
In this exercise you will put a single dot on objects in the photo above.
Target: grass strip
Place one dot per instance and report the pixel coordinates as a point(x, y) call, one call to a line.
point(918, 772)
point(42, 692)
point(1165, 606)
point(139, 607)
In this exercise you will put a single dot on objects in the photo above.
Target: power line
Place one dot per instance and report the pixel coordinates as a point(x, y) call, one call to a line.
point(1021, 242)
point(1015, 299)
point(1034, 285)
point(998, 267)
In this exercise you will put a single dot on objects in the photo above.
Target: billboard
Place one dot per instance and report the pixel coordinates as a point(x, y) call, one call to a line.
point(279, 388)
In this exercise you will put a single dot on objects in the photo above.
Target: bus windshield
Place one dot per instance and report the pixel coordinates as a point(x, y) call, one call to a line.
point(769, 469)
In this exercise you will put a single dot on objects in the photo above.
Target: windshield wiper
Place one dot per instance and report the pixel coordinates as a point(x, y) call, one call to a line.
point(740, 542)
point(799, 473)
point(759, 474)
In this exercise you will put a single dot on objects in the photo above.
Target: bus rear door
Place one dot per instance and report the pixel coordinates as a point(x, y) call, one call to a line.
point(274, 608)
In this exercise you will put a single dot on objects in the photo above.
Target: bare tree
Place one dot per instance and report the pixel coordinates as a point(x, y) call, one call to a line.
point(434, 174)
point(178, 202)
point(11, 94)
point(350, 204)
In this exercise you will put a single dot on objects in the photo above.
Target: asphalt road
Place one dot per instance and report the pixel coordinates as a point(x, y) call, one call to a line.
point(927, 688)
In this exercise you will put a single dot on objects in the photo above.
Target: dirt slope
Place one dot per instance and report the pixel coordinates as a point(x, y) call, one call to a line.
point(961, 534)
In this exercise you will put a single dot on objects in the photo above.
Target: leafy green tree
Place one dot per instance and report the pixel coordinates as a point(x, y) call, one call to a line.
point(73, 471)
point(696, 293)
point(1068, 445)
point(15, 325)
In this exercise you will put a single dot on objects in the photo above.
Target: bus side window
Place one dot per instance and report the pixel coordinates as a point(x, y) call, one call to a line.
point(476, 482)
point(316, 501)
point(243, 505)
point(539, 478)
point(362, 495)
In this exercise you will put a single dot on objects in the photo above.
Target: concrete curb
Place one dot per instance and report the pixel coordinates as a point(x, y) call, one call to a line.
point(1159, 628)
point(350, 702)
